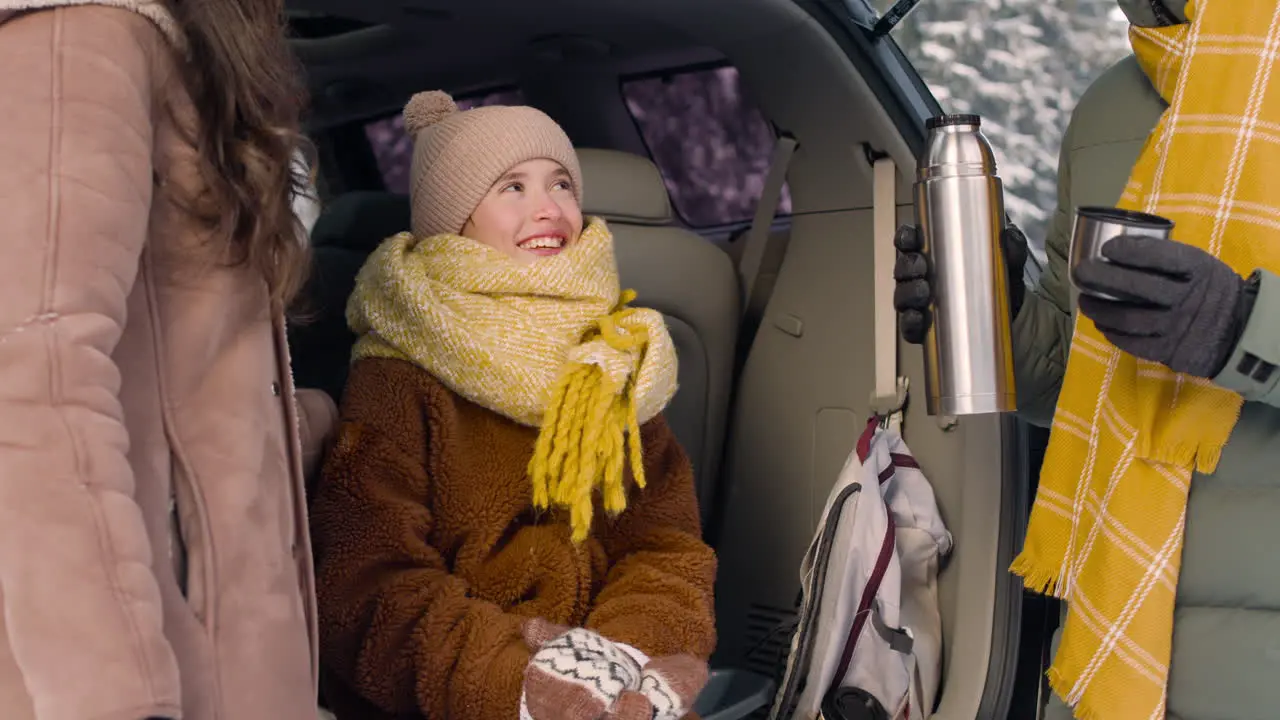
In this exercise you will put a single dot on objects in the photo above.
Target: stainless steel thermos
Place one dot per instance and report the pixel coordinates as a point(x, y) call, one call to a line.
point(960, 212)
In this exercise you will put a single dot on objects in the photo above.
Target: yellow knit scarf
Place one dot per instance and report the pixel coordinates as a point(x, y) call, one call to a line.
point(551, 344)
point(1107, 526)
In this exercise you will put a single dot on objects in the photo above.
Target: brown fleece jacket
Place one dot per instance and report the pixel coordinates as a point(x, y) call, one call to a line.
point(429, 555)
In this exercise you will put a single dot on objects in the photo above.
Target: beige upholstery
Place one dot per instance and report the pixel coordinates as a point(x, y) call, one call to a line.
point(624, 188)
point(689, 280)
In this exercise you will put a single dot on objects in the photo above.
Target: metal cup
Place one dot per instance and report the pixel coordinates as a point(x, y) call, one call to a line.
point(1095, 226)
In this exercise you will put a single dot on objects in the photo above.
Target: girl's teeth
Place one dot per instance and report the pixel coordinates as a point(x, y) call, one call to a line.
point(539, 243)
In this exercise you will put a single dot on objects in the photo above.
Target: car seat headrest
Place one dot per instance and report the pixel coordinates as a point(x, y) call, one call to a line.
point(623, 187)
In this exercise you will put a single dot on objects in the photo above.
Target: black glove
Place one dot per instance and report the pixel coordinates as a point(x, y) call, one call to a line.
point(913, 293)
point(1179, 305)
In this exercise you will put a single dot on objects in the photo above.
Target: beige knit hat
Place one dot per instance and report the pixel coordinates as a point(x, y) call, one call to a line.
point(459, 155)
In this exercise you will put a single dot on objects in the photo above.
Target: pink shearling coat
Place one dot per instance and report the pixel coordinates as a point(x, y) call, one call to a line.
point(154, 556)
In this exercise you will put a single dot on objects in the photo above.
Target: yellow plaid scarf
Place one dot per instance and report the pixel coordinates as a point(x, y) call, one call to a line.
point(550, 344)
point(1107, 526)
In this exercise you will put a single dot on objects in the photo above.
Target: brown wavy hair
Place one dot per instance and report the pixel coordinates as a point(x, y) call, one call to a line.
point(248, 93)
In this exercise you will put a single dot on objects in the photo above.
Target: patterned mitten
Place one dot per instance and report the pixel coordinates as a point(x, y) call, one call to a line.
point(672, 684)
point(630, 705)
point(575, 674)
point(668, 688)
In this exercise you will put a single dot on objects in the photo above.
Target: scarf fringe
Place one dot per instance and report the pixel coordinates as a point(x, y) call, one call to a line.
point(589, 426)
point(1060, 686)
point(1203, 456)
point(1037, 576)
point(1045, 577)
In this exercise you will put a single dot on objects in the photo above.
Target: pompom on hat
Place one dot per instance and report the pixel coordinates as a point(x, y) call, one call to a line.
point(459, 154)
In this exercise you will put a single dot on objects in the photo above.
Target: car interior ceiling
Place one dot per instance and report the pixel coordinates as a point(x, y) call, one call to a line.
point(801, 397)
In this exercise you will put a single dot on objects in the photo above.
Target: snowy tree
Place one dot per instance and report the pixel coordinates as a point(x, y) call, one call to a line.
point(1022, 65)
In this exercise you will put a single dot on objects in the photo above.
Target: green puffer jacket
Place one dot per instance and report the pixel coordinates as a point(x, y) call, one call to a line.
point(1226, 644)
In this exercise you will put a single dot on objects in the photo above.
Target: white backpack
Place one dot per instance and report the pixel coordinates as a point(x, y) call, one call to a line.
point(869, 622)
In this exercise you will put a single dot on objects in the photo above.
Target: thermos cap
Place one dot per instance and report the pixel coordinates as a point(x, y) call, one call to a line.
point(945, 120)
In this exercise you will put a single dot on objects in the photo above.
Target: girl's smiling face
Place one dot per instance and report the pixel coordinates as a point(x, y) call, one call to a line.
point(531, 212)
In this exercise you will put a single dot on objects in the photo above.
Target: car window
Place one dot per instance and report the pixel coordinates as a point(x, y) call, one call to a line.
point(710, 143)
point(1022, 66)
point(393, 148)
